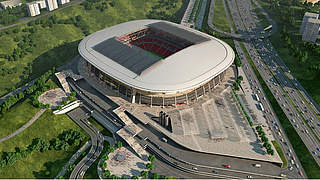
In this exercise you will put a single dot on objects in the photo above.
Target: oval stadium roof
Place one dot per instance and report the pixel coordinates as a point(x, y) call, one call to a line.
point(188, 68)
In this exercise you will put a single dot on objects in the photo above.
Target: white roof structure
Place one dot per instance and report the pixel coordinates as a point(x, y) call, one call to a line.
point(181, 71)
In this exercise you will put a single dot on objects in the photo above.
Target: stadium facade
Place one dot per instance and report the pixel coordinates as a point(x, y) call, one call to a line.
point(156, 62)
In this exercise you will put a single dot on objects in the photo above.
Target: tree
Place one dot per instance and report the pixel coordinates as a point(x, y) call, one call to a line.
point(264, 139)
point(155, 176)
point(110, 149)
point(240, 78)
point(151, 158)
point(118, 144)
point(144, 174)
point(236, 86)
point(150, 166)
point(104, 165)
point(134, 177)
point(106, 173)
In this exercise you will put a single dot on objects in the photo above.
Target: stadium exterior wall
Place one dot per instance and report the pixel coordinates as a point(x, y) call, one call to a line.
point(154, 99)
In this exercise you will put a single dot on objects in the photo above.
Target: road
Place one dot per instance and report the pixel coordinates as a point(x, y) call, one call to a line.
point(241, 168)
point(241, 34)
point(80, 116)
point(28, 19)
point(292, 101)
point(289, 97)
point(276, 129)
point(282, 139)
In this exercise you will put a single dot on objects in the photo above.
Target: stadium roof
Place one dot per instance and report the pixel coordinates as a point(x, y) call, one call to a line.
point(183, 70)
point(179, 32)
point(133, 58)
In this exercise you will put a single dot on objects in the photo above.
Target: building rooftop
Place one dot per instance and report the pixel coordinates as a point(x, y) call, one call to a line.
point(183, 70)
point(10, 3)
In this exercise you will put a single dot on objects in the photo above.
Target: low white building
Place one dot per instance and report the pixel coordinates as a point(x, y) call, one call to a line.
point(63, 1)
point(33, 8)
point(42, 4)
point(51, 5)
point(10, 4)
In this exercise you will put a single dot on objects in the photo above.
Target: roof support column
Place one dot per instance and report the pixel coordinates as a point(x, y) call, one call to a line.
point(209, 86)
point(133, 99)
point(187, 99)
point(195, 92)
point(151, 102)
point(163, 102)
point(175, 101)
point(204, 91)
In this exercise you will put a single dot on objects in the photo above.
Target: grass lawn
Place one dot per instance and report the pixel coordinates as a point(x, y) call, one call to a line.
point(16, 117)
point(40, 165)
point(281, 154)
point(58, 45)
point(219, 18)
point(309, 164)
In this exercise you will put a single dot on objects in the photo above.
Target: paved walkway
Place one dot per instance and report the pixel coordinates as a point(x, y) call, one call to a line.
point(16, 91)
point(29, 123)
point(73, 159)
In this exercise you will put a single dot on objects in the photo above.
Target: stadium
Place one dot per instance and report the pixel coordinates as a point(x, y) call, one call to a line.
point(156, 62)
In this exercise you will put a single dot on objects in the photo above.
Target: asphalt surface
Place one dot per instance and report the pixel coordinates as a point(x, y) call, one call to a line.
point(80, 116)
point(293, 99)
point(269, 113)
point(240, 168)
point(243, 34)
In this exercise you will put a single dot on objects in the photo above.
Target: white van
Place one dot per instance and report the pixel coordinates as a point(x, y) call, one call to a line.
point(257, 165)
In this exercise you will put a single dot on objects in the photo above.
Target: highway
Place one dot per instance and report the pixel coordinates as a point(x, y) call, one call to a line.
point(267, 64)
point(204, 162)
point(292, 101)
point(276, 129)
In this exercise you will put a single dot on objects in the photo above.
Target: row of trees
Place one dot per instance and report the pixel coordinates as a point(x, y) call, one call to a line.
point(26, 44)
point(66, 139)
point(161, 9)
point(38, 85)
point(237, 61)
point(236, 84)
point(265, 140)
point(78, 21)
point(11, 15)
point(302, 55)
point(101, 5)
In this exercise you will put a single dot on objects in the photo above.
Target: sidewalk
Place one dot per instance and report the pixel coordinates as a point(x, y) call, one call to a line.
point(29, 123)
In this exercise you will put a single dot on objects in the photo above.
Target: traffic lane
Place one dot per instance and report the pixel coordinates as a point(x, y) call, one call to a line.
point(241, 49)
point(184, 166)
point(207, 159)
point(249, 71)
point(284, 110)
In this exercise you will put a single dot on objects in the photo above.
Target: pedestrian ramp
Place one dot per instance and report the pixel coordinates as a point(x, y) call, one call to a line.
point(130, 127)
point(124, 134)
point(129, 131)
